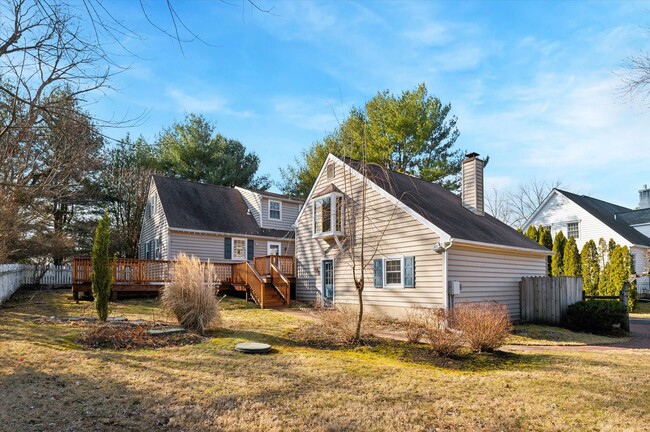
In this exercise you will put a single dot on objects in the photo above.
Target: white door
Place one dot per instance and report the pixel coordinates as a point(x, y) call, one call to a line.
point(273, 248)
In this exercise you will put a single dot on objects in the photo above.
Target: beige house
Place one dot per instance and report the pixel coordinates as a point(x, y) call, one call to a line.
point(216, 223)
point(422, 245)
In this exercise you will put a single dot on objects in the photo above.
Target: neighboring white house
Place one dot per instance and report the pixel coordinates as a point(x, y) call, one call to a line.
point(425, 245)
point(586, 218)
point(215, 223)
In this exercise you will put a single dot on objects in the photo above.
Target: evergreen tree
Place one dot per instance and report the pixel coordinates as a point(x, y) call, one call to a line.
point(571, 258)
point(546, 240)
point(101, 275)
point(590, 267)
point(557, 262)
point(532, 233)
point(620, 271)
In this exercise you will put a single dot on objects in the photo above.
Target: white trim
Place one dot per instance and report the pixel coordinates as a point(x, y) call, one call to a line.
point(272, 243)
point(333, 232)
point(322, 278)
point(232, 249)
point(482, 245)
point(252, 236)
point(386, 285)
point(269, 210)
point(541, 206)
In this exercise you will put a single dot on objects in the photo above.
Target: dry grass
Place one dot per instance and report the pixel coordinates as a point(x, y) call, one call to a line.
point(335, 328)
point(188, 298)
point(413, 324)
point(49, 382)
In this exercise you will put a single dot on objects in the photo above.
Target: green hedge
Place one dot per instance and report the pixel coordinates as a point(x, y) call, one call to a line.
point(595, 316)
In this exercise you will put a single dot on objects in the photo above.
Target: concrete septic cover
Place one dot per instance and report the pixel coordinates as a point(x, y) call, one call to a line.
point(253, 347)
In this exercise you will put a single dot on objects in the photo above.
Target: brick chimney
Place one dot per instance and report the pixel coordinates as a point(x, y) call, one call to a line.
point(472, 183)
point(644, 197)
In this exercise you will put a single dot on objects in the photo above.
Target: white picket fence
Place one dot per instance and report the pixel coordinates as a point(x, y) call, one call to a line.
point(12, 276)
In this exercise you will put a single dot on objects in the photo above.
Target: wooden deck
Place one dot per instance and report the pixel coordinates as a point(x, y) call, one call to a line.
point(268, 279)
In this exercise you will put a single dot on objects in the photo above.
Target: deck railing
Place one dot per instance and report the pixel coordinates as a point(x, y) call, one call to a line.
point(137, 271)
point(281, 283)
point(284, 264)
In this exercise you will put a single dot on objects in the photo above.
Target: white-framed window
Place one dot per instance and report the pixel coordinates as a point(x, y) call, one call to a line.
point(329, 215)
point(238, 249)
point(573, 229)
point(275, 210)
point(148, 211)
point(157, 253)
point(273, 248)
point(393, 276)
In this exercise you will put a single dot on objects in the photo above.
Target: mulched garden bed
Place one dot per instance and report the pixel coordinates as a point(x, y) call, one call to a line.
point(126, 336)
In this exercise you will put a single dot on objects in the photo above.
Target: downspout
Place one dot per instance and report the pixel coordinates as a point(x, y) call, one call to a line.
point(442, 248)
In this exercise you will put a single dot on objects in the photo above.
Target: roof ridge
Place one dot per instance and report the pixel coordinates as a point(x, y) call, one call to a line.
point(595, 199)
point(192, 181)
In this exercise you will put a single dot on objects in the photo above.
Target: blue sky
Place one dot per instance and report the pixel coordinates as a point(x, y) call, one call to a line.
point(533, 84)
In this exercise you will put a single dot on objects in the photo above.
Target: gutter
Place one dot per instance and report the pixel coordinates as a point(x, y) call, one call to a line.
point(483, 245)
point(194, 231)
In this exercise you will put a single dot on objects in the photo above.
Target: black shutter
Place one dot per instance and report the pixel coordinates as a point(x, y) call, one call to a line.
point(251, 250)
point(227, 248)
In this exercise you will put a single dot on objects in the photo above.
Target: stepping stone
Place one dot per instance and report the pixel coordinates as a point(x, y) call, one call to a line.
point(252, 348)
point(166, 331)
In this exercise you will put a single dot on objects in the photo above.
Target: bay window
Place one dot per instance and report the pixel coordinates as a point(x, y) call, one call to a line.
point(329, 215)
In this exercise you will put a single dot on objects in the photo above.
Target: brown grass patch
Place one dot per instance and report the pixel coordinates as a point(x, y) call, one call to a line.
point(130, 337)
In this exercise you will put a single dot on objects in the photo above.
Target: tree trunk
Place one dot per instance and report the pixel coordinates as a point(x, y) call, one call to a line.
point(357, 335)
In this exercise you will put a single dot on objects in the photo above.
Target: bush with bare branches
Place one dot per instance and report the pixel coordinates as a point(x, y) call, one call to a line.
point(416, 323)
point(189, 298)
point(485, 326)
point(444, 340)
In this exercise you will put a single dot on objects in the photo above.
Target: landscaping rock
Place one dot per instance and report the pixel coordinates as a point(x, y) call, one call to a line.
point(252, 348)
point(167, 330)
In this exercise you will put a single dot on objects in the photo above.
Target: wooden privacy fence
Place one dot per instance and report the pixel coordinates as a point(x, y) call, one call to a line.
point(545, 299)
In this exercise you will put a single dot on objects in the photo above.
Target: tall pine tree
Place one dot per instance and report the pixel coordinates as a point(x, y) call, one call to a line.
point(590, 267)
point(532, 233)
point(546, 240)
point(571, 258)
point(557, 262)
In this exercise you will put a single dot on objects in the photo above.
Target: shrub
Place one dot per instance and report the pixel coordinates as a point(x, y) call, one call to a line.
point(444, 340)
point(101, 275)
point(595, 316)
point(416, 318)
point(485, 326)
point(341, 324)
point(189, 298)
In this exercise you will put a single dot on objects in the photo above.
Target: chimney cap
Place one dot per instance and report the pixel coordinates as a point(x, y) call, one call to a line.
point(471, 155)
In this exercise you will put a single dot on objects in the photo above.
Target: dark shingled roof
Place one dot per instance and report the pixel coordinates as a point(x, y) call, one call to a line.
point(609, 214)
point(445, 209)
point(635, 217)
point(204, 207)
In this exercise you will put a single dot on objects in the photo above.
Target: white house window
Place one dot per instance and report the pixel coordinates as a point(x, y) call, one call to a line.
point(393, 272)
point(239, 249)
point(329, 215)
point(275, 210)
point(330, 171)
point(573, 229)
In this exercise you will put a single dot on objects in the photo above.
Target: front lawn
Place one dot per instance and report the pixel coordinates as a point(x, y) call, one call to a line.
point(48, 382)
point(533, 334)
point(641, 310)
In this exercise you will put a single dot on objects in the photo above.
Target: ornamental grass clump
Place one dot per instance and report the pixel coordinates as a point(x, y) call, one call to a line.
point(190, 296)
point(485, 326)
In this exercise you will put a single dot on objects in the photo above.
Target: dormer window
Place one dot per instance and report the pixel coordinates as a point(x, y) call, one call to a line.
point(329, 215)
point(275, 210)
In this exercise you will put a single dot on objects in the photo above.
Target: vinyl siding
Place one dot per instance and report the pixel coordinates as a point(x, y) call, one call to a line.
point(154, 227)
point(405, 237)
point(559, 211)
point(289, 214)
point(254, 202)
point(210, 246)
point(492, 275)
